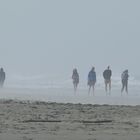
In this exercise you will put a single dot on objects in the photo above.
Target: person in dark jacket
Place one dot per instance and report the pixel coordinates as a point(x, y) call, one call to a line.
point(124, 78)
point(91, 79)
point(2, 77)
point(75, 78)
point(107, 78)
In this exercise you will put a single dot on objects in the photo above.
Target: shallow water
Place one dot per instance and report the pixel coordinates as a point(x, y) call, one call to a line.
point(67, 95)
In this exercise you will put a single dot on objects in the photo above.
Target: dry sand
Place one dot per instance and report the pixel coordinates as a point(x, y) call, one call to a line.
point(26, 120)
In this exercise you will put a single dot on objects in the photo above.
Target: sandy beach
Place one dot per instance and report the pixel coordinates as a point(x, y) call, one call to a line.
point(36, 120)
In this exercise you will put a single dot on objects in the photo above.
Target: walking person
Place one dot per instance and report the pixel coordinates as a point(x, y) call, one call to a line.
point(124, 78)
point(91, 79)
point(75, 78)
point(2, 77)
point(107, 78)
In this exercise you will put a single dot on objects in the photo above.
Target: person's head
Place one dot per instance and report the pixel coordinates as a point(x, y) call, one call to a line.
point(126, 70)
point(108, 67)
point(75, 70)
point(1, 69)
point(93, 69)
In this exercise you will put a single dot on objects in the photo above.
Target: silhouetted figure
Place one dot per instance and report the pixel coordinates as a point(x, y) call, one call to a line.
point(107, 77)
point(124, 78)
point(75, 77)
point(2, 77)
point(91, 79)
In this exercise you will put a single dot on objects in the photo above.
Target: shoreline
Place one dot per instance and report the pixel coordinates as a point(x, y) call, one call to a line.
point(39, 102)
point(64, 95)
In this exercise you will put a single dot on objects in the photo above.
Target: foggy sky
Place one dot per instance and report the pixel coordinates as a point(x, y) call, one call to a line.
point(54, 36)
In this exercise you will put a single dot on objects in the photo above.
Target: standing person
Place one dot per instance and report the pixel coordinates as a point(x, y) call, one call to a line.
point(107, 77)
point(2, 77)
point(91, 79)
point(124, 78)
point(75, 78)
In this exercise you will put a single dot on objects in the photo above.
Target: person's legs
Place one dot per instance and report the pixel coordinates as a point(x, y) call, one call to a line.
point(110, 86)
point(93, 89)
point(1, 84)
point(74, 86)
point(123, 85)
point(89, 89)
point(126, 87)
point(93, 85)
point(105, 85)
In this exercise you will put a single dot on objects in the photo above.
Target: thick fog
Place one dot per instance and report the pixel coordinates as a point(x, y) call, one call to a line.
point(51, 37)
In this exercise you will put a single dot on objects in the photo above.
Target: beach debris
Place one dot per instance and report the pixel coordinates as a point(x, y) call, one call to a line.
point(28, 121)
point(76, 121)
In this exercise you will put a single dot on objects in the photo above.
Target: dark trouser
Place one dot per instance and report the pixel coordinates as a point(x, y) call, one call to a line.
point(124, 85)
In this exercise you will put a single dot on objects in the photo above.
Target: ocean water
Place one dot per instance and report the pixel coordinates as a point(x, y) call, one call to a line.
point(60, 89)
point(43, 81)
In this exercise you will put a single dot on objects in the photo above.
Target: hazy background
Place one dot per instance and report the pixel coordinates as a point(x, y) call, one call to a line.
point(51, 37)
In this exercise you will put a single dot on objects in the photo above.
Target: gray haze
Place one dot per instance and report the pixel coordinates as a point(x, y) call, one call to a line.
point(54, 36)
